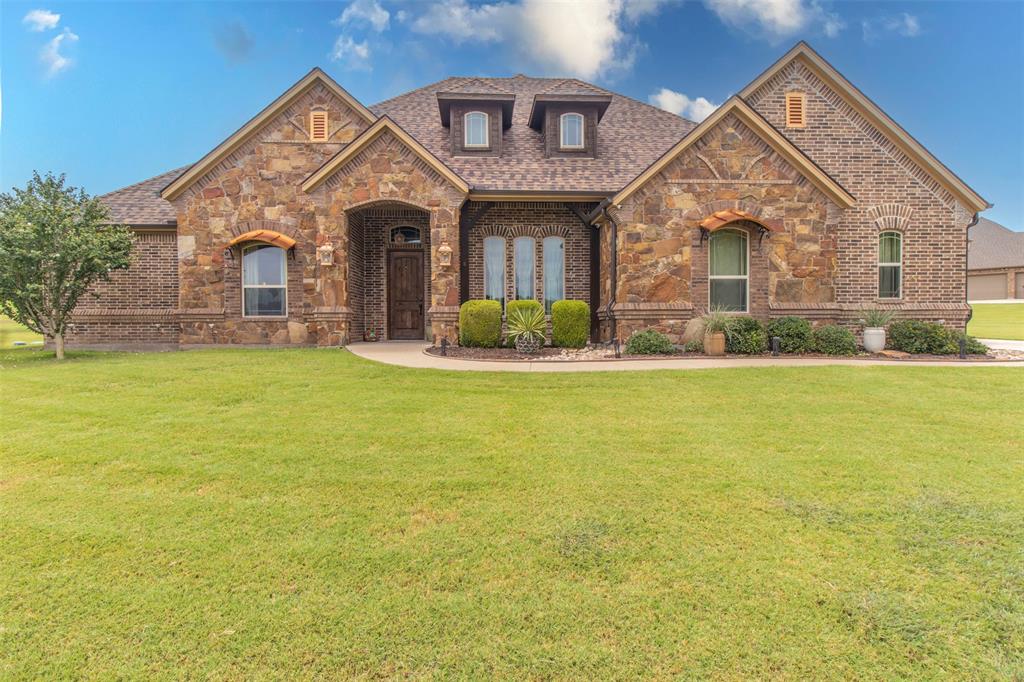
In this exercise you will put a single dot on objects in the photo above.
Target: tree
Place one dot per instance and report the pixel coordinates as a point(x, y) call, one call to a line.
point(55, 243)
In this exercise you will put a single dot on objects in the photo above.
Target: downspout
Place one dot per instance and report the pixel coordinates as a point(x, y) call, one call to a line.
point(967, 237)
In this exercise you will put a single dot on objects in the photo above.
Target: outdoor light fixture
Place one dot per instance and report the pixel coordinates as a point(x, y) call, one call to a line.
point(444, 255)
point(325, 254)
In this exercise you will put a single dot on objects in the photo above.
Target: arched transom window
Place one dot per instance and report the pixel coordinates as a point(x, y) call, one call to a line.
point(476, 133)
point(572, 131)
point(264, 281)
point(729, 281)
point(405, 234)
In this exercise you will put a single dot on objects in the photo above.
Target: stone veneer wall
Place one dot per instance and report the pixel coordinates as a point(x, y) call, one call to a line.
point(892, 192)
point(537, 220)
point(663, 263)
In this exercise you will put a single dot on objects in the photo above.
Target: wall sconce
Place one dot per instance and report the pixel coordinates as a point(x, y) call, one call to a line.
point(325, 254)
point(444, 255)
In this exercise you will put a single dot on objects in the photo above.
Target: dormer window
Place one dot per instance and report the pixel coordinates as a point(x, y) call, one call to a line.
point(318, 126)
point(571, 127)
point(477, 134)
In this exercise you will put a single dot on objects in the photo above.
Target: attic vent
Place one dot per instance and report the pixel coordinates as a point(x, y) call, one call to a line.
point(796, 110)
point(318, 126)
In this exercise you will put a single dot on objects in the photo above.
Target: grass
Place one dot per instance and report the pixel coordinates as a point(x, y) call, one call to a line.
point(997, 321)
point(11, 332)
point(305, 513)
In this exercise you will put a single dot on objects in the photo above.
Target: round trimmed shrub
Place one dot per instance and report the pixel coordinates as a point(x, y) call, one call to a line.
point(570, 324)
point(794, 332)
point(831, 339)
point(917, 336)
point(480, 324)
point(747, 336)
point(649, 342)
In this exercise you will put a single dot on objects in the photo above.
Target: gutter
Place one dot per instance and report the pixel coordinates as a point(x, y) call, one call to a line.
point(967, 238)
point(602, 210)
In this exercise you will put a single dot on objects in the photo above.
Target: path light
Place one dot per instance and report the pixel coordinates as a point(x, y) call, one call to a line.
point(444, 346)
point(776, 344)
point(963, 347)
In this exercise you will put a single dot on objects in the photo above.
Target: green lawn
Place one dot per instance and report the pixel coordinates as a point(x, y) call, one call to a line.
point(11, 332)
point(997, 321)
point(304, 513)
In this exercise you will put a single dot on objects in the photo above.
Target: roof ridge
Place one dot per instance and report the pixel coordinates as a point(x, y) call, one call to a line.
point(414, 90)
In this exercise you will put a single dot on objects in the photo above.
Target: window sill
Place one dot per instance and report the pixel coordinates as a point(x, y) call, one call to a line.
point(267, 318)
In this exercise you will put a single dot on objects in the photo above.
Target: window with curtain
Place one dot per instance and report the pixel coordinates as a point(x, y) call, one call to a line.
point(890, 265)
point(572, 131)
point(494, 269)
point(554, 271)
point(476, 133)
point(728, 270)
point(264, 281)
point(524, 262)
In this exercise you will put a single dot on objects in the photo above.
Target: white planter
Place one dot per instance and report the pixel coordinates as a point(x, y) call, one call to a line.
point(874, 339)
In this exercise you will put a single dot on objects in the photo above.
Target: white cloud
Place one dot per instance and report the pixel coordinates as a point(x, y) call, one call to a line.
point(364, 11)
point(903, 24)
point(41, 20)
point(696, 109)
point(351, 54)
point(778, 19)
point(585, 38)
point(51, 55)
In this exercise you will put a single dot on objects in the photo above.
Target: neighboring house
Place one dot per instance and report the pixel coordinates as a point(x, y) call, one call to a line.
point(321, 219)
point(995, 262)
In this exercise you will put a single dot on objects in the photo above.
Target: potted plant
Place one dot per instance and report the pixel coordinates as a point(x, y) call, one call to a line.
point(718, 324)
point(874, 322)
point(527, 328)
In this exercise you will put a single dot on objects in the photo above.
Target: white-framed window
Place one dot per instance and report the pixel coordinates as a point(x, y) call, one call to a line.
point(730, 259)
point(554, 271)
point(264, 281)
point(477, 133)
point(494, 269)
point(523, 251)
point(890, 265)
point(571, 127)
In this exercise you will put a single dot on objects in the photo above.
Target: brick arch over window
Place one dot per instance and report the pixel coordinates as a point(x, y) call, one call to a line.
point(241, 228)
point(372, 203)
point(511, 232)
point(891, 216)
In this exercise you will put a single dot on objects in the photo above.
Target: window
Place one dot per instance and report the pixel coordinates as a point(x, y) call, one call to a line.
point(796, 110)
point(476, 133)
point(494, 269)
point(728, 270)
point(263, 281)
point(554, 271)
point(890, 265)
point(572, 131)
point(318, 126)
point(405, 235)
point(524, 247)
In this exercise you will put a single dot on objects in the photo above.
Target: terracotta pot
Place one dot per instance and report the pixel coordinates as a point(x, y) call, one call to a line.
point(714, 344)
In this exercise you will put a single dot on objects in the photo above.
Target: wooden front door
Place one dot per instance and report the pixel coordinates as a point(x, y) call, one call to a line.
point(405, 294)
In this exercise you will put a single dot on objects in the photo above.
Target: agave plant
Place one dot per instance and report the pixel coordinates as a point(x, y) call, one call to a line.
point(875, 318)
point(526, 329)
point(718, 321)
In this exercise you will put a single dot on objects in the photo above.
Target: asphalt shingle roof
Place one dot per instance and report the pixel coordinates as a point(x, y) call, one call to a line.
point(994, 246)
point(140, 204)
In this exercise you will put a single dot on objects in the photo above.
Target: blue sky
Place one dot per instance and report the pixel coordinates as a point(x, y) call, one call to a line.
point(113, 93)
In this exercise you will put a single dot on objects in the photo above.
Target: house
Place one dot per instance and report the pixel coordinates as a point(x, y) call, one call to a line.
point(995, 262)
point(322, 220)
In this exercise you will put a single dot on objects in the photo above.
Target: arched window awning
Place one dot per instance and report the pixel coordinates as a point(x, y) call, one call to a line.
point(266, 236)
point(720, 219)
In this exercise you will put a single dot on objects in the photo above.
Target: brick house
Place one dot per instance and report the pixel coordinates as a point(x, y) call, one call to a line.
point(321, 220)
point(995, 262)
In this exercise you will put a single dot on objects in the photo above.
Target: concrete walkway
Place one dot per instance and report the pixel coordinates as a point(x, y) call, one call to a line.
point(410, 354)
point(1003, 344)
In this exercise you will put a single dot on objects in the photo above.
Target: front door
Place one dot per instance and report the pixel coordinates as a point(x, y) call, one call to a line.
point(405, 294)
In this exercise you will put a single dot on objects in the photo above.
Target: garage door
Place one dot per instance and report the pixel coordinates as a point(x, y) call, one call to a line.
point(986, 287)
point(1020, 285)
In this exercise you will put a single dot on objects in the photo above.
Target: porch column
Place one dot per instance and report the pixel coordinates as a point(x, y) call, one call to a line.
point(445, 257)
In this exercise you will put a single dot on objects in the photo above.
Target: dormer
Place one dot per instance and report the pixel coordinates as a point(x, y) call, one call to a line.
point(476, 121)
point(568, 122)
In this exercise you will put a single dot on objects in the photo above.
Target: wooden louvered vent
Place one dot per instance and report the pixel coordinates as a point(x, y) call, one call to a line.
point(796, 110)
point(318, 126)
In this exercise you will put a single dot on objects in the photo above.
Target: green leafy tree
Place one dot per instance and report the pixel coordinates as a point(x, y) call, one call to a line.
point(55, 243)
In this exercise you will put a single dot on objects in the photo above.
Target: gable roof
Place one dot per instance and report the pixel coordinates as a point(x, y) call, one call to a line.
point(630, 136)
point(383, 124)
point(766, 132)
point(878, 118)
point(140, 204)
point(241, 135)
point(990, 245)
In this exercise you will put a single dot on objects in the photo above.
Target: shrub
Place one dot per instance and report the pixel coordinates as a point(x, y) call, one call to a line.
point(649, 342)
point(747, 337)
point(872, 317)
point(526, 305)
point(794, 333)
point(916, 336)
point(527, 326)
point(718, 321)
point(570, 324)
point(831, 339)
point(480, 324)
point(974, 346)
point(694, 346)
